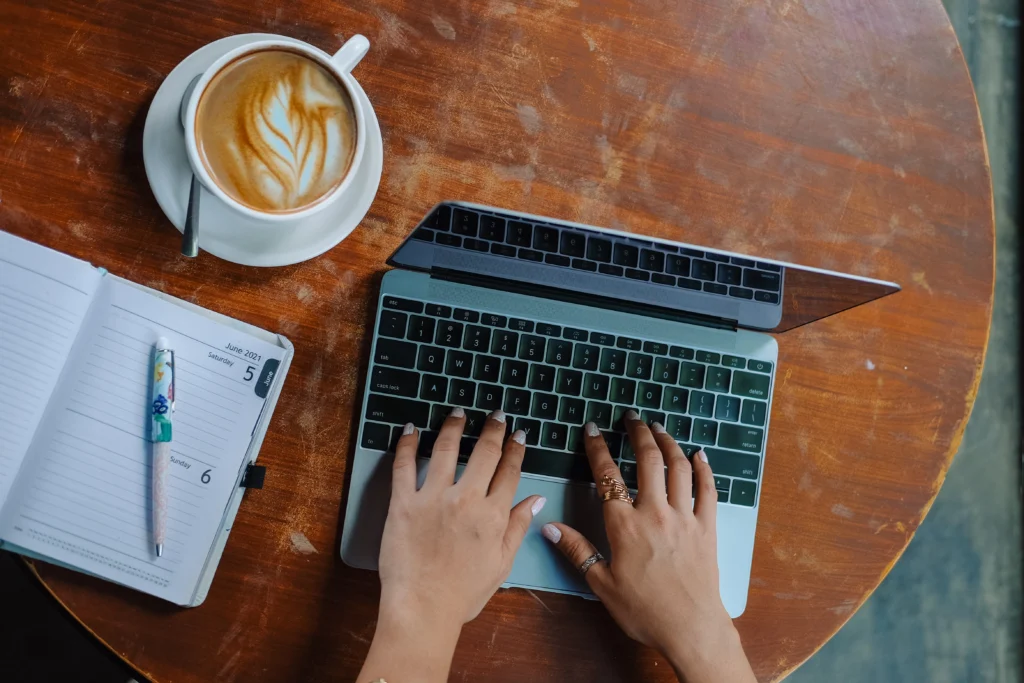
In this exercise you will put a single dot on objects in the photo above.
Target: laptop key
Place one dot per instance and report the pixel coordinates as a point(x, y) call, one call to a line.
point(586, 357)
point(652, 260)
point(531, 347)
point(554, 435)
point(629, 343)
point(759, 365)
point(448, 240)
point(569, 382)
point(558, 260)
point(421, 329)
point(439, 219)
point(703, 270)
point(505, 343)
point(438, 414)
point(465, 222)
point(614, 442)
point(397, 410)
point(574, 334)
point(600, 414)
point(679, 427)
point(545, 238)
point(493, 320)
point(727, 408)
point(749, 384)
point(514, 372)
point(702, 404)
point(729, 275)
point(475, 244)
point(492, 228)
point(602, 338)
point(675, 400)
point(759, 279)
point(662, 279)
point(459, 364)
point(393, 352)
point(741, 438)
point(741, 292)
point(393, 381)
point(688, 283)
point(595, 386)
point(705, 431)
point(542, 377)
point(520, 325)
point(477, 338)
point(623, 391)
point(519, 234)
point(629, 474)
point(677, 265)
point(439, 311)
point(474, 422)
point(639, 366)
point(599, 249)
point(466, 446)
point(753, 412)
point(545, 406)
point(721, 258)
point(548, 463)
point(486, 368)
point(517, 402)
point(571, 410)
point(715, 288)
point(573, 244)
point(733, 361)
point(449, 334)
point(532, 429)
point(392, 324)
point(709, 357)
point(609, 269)
point(613, 361)
point(559, 352)
point(549, 330)
point(634, 274)
point(743, 492)
point(433, 388)
point(489, 396)
point(403, 304)
point(376, 436)
point(503, 250)
point(649, 417)
point(583, 264)
point(742, 262)
point(531, 255)
point(691, 375)
point(718, 379)
point(649, 395)
point(462, 393)
point(681, 352)
point(625, 255)
point(574, 444)
point(732, 464)
point(666, 370)
point(766, 297)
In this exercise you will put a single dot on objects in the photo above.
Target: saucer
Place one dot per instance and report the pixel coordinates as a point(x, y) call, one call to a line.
point(170, 176)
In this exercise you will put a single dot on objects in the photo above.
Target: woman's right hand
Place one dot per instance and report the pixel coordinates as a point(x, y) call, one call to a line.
point(661, 584)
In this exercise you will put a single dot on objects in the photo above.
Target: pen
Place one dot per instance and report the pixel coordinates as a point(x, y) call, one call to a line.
point(163, 409)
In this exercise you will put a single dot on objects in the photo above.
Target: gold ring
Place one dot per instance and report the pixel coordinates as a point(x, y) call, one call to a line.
point(616, 490)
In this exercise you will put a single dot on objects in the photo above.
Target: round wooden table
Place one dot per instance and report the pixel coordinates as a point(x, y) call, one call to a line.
point(844, 136)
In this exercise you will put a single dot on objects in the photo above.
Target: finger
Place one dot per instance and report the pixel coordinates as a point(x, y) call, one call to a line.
point(650, 463)
point(480, 469)
point(602, 465)
point(680, 472)
point(441, 472)
point(506, 476)
point(706, 504)
point(519, 523)
point(403, 472)
point(577, 549)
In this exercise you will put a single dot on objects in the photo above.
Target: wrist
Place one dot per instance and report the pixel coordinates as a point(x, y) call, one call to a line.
point(716, 655)
point(411, 645)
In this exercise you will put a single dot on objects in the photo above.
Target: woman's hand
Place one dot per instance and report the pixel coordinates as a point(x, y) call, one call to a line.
point(447, 547)
point(661, 584)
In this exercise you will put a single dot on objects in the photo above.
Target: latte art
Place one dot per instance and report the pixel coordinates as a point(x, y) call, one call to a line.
point(276, 130)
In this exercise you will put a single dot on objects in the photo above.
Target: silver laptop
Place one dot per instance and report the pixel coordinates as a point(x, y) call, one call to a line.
point(559, 324)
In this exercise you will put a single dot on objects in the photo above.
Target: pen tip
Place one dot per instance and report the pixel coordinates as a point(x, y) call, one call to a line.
point(159, 549)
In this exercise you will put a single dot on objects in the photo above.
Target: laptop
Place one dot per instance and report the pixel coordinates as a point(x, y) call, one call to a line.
point(559, 324)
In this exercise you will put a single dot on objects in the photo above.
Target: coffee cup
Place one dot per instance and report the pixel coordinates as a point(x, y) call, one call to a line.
point(275, 130)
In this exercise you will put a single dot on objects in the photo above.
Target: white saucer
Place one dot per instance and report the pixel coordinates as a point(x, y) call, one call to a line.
point(169, 173)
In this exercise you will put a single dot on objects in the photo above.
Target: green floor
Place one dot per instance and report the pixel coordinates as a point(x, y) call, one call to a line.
point(950, 610)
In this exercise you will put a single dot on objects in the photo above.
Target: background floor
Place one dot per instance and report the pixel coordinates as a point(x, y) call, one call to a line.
point(950, 610)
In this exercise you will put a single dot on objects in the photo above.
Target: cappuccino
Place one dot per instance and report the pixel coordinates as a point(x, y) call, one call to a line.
point(276, 131)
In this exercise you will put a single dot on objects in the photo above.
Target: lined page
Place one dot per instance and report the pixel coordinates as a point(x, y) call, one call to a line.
point(44, 295)
point(87, 498)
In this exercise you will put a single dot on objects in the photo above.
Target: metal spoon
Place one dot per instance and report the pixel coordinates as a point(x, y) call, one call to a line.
point(190, 235)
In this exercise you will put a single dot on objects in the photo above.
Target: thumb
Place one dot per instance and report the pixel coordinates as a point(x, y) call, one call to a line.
point(519, 523)
point(577, 549)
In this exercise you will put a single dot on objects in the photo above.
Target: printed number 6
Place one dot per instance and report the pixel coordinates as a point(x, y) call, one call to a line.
point(206, 477)
point(248, 373)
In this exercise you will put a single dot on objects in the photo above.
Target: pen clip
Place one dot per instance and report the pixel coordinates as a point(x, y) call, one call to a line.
point(174, 377)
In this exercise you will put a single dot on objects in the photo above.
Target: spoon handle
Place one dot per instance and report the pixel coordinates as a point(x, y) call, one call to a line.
point(190, 237)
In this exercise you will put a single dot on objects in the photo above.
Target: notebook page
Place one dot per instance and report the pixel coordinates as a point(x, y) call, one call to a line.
point(87, 496)
point(44, 295)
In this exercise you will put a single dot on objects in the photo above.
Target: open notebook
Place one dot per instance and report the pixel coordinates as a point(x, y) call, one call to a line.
point(76, 346)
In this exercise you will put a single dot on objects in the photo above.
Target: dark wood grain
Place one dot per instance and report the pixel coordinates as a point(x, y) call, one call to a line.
point(841, 135)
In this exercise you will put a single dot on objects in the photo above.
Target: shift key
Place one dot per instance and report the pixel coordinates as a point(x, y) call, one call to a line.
point(740, 437)
point(397, 410)
point(732, 464)
point(749, 384)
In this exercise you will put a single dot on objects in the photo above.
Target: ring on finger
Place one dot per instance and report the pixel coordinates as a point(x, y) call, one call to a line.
point(590, 562)
point(615, 489)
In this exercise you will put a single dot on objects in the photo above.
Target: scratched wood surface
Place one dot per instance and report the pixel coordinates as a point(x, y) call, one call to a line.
point(841, 135)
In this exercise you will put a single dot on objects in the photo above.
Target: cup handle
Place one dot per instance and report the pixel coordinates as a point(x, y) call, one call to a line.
point(351, 53)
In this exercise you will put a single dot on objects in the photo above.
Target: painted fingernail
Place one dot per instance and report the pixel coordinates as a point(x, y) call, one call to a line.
point(631, 415)
point(457, 411)
point(538, 505)
point(702, 455)
point(519, 436)
point(408, 429)
point(592, 429)
point(498, 416)
point(657, 428)
point(551, 532)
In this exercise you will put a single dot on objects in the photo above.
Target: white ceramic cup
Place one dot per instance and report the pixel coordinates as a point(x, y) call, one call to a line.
point(339, 65)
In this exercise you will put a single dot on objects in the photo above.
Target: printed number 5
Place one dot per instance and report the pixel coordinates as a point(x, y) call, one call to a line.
point(248, 373)
point(206, 477)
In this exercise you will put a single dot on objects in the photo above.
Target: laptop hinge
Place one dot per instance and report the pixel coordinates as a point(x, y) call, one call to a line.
point(592, 300)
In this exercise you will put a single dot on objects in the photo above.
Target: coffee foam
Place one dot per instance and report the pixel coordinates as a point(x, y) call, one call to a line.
point(276, 130)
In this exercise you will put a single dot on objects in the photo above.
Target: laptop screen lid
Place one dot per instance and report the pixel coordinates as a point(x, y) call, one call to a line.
point(608, 267)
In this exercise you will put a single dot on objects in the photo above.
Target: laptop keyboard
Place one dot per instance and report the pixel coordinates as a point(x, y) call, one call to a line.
point(515, 237)
point(550, 380)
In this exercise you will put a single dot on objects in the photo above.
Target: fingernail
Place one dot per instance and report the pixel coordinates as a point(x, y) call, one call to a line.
point(457, 411)
point(538, 505)
point(519, 436)
point(702, 455)
point(498, 416)
point(657, 428)
point(408, 429)
point(592, 429)
point(551, 532)
point(631, 415)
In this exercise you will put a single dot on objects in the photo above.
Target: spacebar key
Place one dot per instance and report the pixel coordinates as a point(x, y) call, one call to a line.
point(548, 463)
point(397, 410)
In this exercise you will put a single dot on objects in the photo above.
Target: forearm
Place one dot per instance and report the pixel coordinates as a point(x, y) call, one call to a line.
point(720, 659)
point(410, 648)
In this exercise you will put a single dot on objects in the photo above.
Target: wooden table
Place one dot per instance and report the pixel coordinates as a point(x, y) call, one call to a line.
point(841, 135)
